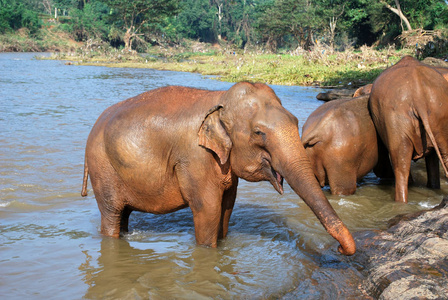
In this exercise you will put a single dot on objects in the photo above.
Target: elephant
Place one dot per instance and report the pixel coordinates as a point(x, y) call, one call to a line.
point(443, 71)
point(341, 142)
point(176, 147)
point(364, 90)
point(409, 107)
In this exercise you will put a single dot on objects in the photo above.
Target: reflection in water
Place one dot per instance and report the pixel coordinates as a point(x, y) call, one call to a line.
point(125, 271)
point(50, 246)
point(159, 258)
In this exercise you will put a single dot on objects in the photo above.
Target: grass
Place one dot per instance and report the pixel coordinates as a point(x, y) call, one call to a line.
point(44, 40)
point(321, 67)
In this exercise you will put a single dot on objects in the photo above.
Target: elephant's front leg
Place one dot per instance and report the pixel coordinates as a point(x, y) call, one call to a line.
point(204, 196)
point(228, 201)
point(207, 218)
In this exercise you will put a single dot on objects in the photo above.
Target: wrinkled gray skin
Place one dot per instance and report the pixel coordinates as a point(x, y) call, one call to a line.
point(342, 144)
point(177, 147)
point(409, 106)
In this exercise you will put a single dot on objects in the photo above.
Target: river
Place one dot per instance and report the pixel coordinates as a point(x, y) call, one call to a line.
point(50, 245)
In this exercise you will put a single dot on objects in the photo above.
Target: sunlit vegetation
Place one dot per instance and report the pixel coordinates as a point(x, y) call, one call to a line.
point(294, 42)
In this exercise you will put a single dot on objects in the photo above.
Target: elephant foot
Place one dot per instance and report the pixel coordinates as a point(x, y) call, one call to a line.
point(111, 225)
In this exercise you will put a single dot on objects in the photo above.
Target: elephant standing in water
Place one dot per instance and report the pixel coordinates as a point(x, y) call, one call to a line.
point(342, 144)
point(409, 106)
point(177, 147)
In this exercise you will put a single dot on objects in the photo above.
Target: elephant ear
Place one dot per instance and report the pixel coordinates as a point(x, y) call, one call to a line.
point(213, 136)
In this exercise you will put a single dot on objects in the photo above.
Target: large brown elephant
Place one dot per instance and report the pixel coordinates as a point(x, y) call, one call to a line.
point(177, 147)
point(342, 144)
point(367, 89)
point(409, 105)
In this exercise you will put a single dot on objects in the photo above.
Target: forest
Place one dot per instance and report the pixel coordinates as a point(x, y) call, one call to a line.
point(270, 25)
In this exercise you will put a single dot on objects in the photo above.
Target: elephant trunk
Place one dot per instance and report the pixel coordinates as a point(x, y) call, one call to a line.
point(296, 169)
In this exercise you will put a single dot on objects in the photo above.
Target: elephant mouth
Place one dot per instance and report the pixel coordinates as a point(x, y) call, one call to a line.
point(277, 181)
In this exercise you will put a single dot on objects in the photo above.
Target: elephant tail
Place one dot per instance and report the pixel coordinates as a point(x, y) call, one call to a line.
point(84, 181)
point(436, 146)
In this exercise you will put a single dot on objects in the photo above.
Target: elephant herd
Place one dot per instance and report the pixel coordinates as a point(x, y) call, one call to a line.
point(402, 117)
point(176, 147)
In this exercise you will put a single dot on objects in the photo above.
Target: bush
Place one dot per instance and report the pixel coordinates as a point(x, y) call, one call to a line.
point(14, 15)
point(88, 23)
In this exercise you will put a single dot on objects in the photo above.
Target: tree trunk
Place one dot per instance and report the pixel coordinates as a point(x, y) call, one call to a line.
point(219, 21)
point(127, 38)
point(398, 12)
point(333, 22)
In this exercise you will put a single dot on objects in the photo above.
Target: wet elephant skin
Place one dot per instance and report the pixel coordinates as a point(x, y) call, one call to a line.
point(177, 147)
point(341, 141)
point(409, 105)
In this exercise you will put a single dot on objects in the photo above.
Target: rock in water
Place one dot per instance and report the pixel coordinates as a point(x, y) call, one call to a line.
point(410, 259)
point(335, 94)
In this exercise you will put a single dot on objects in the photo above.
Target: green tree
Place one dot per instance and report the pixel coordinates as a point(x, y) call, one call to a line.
point(235, 21)
point(216, 20)
point(196, 20)
point(279, 18)
point(89, 22)
point(137, 16)
point(14, 15)
point(331, 13)
point(427, 14)
point(397, 10)
point(371, 21)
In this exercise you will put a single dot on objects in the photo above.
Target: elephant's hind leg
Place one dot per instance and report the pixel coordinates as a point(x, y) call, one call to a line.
point(113, 219)
point(401, 157)
point(111, 199)
point(432, 171)
point(342, 178)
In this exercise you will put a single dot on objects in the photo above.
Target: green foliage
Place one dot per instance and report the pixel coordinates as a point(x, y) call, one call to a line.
point(275, 25)
point(196, 20)
point(426, 14)
point(14, 15)
point(139, 16)
point(89, 22)
point(216, 21)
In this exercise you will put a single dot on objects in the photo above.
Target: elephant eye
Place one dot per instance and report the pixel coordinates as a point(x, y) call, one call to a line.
point(259, 137)
point(258, 132)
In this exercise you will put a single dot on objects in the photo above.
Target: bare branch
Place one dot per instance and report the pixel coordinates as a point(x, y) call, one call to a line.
point(398, 12)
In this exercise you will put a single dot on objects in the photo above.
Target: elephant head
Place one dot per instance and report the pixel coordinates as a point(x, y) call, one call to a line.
point(252, 132)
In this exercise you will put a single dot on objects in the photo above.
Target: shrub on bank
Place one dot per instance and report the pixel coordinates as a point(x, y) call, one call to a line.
point(320, 67)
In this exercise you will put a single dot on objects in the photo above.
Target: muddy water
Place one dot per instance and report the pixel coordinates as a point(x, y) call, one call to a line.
point(50, 246)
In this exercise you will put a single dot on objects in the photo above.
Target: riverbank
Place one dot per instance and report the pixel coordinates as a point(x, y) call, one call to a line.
point(321, 67)
point(46, 39)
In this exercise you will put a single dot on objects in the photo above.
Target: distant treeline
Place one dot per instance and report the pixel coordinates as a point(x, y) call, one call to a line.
point(268, 24)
